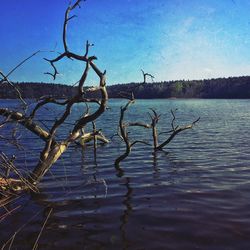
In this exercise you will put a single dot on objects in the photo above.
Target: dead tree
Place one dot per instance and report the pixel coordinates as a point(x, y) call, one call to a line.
point(155, 117)
point(53, 148)
point(122, 130)
point(124, 133)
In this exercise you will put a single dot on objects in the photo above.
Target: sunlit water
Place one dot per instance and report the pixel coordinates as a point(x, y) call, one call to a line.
point(195, 196)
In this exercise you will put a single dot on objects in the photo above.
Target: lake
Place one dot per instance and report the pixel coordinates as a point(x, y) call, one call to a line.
point(196, 195)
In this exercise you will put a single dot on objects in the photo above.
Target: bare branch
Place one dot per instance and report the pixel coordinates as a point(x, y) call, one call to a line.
point(66, 19)
point(26, 122)
point(22, 62)
point(87, 137)
point(76, 4)
point(175, 132)
point(145, 75)
point(83, 78)
point(71, 17)
point(44, 102)
point(54, 68)
point(173, 120)
point(103, 103)
point(154, 120)
point(88, 45)
point(138, 124)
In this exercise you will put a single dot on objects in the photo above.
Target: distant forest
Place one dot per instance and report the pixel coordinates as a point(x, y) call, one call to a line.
point(232, 87)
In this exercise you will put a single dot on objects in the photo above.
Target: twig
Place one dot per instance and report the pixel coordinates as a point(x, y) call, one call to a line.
point(22, 62)
point(40, 233)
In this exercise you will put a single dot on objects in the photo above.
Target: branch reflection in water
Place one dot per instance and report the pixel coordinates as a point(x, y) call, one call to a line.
point(128, 206)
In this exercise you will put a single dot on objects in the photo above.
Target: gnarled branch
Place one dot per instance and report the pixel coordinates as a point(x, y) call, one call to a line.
point(26, 122)
point(176, 130)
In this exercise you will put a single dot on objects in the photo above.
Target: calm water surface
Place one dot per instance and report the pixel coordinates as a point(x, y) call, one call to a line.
point(195, 196)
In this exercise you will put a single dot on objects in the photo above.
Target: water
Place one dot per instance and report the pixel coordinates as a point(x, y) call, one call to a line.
point(195, 196)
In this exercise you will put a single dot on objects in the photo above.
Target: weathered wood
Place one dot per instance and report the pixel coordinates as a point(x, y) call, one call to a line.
point(26, 122)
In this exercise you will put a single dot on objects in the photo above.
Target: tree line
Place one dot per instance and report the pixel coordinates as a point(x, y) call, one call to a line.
point(232, 87)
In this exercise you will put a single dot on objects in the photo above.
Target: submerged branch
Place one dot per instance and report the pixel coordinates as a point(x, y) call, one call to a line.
point(176, 131)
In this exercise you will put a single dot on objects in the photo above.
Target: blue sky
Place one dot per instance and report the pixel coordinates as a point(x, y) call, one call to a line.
point(171, 39)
